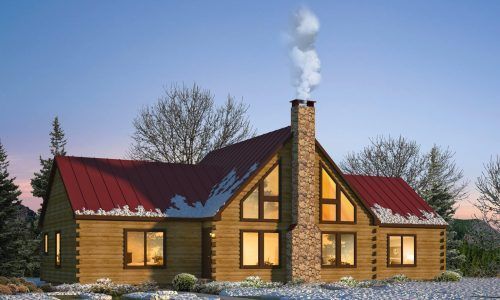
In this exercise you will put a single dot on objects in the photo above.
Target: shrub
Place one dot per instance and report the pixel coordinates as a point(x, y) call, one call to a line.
point(16, 281)
point(12, 287)
point(184, 282)
point(4, 280)
point(348, 281)
point(5, 290)
point(214, 287)
point(399, 278)
point(448, 276)
point(252, 281)
point(21, 288)
point(147, 286)
point(46, 287)
point(31, 287)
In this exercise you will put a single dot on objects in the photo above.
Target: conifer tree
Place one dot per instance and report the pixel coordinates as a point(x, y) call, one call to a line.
point(11, 264)
point(40, 181)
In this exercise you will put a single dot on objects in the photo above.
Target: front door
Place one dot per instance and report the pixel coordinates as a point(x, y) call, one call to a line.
point(206, 253)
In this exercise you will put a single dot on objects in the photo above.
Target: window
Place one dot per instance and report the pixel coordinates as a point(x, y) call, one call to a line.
point(58, 249)
point(260, 249)
point(338, 249)
point(263, 202)
point(401, 250)
point(144, 248)
point(335, 207)
point(45, 243)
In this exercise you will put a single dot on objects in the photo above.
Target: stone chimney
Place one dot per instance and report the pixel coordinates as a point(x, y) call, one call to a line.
point(304, 236)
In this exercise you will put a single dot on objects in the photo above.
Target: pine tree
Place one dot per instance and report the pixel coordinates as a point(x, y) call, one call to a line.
point(442, 188)
point(11, 264)
point(40, 181)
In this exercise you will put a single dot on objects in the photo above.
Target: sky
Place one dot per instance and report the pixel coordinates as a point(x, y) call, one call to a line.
point(428, 70)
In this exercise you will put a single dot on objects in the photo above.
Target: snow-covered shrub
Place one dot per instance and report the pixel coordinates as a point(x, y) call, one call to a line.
point(214, 287)
point(149, 285)
point(348, 281)
point(104, 286)
point(252, 281)
point(158, 295)
point(448, 276)
point(5, 290)
point(399, 278)
point(184, 282)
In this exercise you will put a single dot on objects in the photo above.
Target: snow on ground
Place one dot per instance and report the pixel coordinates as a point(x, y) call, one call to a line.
point(467, 288)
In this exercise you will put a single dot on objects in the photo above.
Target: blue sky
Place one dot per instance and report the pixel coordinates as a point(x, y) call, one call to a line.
point(429, 70)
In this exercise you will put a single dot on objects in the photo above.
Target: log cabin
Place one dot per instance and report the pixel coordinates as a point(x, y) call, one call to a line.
point(275, 206)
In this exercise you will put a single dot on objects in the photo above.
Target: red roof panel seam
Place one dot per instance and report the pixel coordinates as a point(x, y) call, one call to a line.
point(104, 182)
point(91, 184)
point(410, 204)
point(77, 183)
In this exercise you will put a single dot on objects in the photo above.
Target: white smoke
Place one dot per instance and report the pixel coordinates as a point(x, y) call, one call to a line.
point(306, 65)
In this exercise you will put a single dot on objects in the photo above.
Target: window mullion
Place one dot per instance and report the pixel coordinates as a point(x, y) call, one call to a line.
point(145, 248)
point(261, 249)
point(261, 200)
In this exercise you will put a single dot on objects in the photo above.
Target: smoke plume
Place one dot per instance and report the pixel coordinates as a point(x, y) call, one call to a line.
point(306, 65)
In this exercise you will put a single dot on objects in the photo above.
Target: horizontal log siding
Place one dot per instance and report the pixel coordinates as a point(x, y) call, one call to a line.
point(101, 244)
point(59, 217)
point(364, 234)
point(226, 249)
point(429, 253)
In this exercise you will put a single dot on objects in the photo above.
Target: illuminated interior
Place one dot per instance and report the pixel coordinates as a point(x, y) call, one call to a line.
point(328, 186)
point(395, 250)
point(154, 256)
point(408, 250)
point(347, 249)
point(251, 206)
point(328, 249)
point(271, 249)
point(329, 212)
point(154, 250)
point(250, 248)
point(46, 243)
point(271, 210)
point(271, 183)
point(58, 248)
point(346, 209)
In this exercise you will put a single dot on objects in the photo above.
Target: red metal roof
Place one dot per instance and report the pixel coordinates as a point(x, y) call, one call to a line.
point(389, 192)
point(100, 183)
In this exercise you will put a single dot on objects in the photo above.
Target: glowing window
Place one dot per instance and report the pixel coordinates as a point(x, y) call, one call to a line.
point(346, 209)
point(45, 243)
point(263, 202)
point(144, 248)
point(251, 206)
point(260, 249)
point(58, 249)
point(401, 250)
point(335, 205)
point(338, 249)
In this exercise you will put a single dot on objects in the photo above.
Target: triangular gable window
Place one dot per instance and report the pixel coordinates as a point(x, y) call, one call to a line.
point(335, 206)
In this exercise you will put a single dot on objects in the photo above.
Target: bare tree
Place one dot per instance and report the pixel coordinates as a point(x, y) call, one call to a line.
point(185, 124)
point(392, 157)
point(488, 185)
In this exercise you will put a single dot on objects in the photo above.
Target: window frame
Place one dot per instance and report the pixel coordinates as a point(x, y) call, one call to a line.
point(45, 245)
point(262, 198)
point(336, 201)
point(261, 264)
point(57, 233)
point(402, 265)
point(338, 250)
point(144, 231)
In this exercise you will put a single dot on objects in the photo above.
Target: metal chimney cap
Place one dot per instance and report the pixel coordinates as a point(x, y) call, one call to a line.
point(300, 102)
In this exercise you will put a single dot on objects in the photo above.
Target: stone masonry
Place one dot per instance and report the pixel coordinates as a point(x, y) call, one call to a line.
point(304, 237)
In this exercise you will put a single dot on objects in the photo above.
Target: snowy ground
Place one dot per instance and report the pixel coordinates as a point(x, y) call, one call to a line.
point(467, 288)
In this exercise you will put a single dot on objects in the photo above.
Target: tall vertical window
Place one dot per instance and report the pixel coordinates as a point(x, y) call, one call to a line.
point(260, 249)
point(401, 250)
point(144, 248)
point(263, 202)
point(334, 204)
point(338, 249)
point(58, 249)
point(45, 243)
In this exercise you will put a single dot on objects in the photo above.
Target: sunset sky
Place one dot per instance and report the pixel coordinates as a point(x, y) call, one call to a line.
point(429, 71)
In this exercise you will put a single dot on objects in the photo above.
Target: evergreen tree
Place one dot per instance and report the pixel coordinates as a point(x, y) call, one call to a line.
point(40, 181)
point(11, 264)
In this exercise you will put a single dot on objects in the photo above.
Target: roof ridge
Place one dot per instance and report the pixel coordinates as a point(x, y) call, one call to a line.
point(377, 176)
